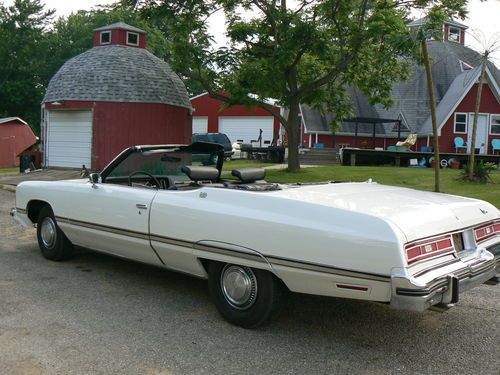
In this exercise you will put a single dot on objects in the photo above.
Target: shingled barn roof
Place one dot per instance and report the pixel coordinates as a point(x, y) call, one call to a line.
point(452, 65)
point(117, 73)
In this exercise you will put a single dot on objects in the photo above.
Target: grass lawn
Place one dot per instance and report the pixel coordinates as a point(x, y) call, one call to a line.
point(9, 170)
point(422, 179)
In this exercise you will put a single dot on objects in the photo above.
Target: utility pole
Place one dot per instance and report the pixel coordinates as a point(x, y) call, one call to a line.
point(472, 155)
point(432, 104)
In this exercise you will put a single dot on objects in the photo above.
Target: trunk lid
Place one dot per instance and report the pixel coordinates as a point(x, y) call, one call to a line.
point(418, 214)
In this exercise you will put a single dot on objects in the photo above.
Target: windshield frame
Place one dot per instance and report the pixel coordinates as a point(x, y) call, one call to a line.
point(194, 147)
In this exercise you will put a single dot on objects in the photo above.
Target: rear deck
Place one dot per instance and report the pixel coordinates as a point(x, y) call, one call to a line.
point(357, 156)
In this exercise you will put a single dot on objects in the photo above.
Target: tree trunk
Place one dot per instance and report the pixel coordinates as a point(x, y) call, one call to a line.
point(472, 155)
point(293, 134)
point(432, 104)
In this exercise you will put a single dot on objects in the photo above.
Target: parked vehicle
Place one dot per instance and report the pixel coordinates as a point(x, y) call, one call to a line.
point(219, 138)
point(253, 240)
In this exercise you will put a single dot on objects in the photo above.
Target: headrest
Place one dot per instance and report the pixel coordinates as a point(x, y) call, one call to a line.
point(249, 174)
point(199, 173)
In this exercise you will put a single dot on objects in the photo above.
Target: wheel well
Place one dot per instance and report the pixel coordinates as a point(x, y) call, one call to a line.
point(33, 209)
point(206, 265)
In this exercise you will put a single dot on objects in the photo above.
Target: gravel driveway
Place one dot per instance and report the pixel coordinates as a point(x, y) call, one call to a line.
point(101, 315)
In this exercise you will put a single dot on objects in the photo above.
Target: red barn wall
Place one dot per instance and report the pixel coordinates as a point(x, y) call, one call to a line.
point(207, 106)
point(15, 137)
point(119, 36)
point(489, 104)
point(117, 126)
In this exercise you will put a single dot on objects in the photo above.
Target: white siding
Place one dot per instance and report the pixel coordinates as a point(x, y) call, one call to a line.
point(69, 139)
point(245, 129)
point(200, 124)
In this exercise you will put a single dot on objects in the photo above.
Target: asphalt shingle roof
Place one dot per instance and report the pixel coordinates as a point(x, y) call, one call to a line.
point(120, 25)
point(117, 73)
point(411, 99)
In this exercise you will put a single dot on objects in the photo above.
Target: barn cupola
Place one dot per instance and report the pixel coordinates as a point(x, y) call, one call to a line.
point(120, 33)
point(452, 31)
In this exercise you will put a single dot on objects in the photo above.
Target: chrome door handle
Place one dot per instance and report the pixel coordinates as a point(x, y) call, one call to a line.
point(141, 206)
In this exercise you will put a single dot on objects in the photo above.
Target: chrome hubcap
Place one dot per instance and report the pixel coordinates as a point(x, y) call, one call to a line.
point(239, 286)
point(48, 232)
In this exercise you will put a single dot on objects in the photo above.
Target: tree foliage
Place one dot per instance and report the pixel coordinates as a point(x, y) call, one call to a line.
point(34, 46)
point(302, 52)
point(23, 55)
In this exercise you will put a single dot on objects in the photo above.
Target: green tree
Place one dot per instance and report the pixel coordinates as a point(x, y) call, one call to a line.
point(308, 53)
point(23, 52)
point(74, 34)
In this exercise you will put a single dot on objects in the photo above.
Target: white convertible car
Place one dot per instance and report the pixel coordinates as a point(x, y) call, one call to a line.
point(168, 206)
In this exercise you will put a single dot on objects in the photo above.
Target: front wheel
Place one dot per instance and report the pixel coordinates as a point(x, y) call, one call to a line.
point(247, 297)
point(53, 244)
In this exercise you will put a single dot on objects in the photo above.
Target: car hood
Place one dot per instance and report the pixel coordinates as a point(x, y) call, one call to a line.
point(417, 214)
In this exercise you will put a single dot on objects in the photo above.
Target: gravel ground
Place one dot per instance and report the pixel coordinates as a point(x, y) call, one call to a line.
point(100, 315)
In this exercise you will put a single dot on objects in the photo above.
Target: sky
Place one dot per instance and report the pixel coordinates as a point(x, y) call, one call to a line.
point(483, 20)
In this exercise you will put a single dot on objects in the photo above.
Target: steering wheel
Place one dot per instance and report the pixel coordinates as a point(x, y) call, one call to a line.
point(151, 177)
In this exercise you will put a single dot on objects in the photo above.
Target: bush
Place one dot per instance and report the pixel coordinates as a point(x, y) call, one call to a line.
point(482, 172)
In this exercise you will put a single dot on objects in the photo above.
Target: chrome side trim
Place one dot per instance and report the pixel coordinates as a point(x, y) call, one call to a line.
point(230, 252)
point(326, 269)
point(103, 228)
point(170, 241)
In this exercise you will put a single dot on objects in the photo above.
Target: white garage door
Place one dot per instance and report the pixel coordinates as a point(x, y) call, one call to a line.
point(200, 125)
point(69, 139)
point(246, 129)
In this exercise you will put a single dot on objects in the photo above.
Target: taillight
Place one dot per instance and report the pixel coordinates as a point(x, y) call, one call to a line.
point(487, 231)
point(429, 248)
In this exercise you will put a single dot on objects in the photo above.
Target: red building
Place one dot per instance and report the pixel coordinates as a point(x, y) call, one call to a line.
point(110, 97)
point(240, 123)
point(15, 137)
point(455, 70)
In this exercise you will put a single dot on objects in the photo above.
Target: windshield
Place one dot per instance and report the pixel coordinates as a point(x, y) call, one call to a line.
point(161, 163)
point(215, 138)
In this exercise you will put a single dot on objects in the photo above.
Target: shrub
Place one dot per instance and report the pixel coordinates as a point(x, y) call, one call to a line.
point(482, 172)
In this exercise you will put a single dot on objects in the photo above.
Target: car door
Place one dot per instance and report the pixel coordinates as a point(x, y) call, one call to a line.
point(111, 218)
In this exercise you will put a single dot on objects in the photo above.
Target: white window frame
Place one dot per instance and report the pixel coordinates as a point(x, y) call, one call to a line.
point(491, 123)
point(132, 44)
point(102, 33)
point(455, 123)
point(459, 34)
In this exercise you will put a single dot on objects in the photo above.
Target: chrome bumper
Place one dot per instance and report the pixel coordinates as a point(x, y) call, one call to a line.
point(441, 286)
point(21, 217)
point(495, 250)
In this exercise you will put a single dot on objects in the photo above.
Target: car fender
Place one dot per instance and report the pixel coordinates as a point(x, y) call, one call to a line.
point(230, 253)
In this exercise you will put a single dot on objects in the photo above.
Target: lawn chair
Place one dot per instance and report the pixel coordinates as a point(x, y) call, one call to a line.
point(408, 142)
point(495, 145)
point(459, 143)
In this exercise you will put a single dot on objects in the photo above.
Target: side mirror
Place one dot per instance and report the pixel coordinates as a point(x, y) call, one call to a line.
point(94, 179)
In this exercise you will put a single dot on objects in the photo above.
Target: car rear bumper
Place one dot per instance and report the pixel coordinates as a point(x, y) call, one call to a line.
point(442, 285)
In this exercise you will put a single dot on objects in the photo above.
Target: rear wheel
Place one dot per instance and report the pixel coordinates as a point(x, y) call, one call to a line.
point(247, 297)
point(53, 244)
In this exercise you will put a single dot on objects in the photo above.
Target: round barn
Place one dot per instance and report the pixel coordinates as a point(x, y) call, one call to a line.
point(110, 97)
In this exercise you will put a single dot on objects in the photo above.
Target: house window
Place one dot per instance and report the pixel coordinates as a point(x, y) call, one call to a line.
point(454, 34)
point(495, 125)
point(132, 39)
point(460, 123)
point(105, 37)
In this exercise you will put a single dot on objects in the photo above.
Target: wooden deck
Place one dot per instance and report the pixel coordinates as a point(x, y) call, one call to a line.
point(40, 175)
point(358, 156)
